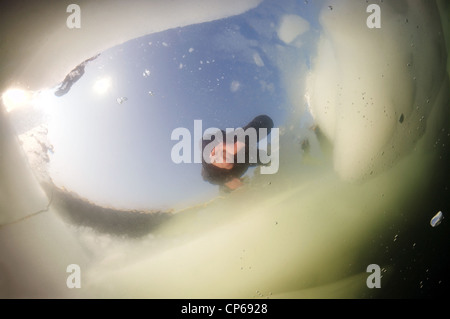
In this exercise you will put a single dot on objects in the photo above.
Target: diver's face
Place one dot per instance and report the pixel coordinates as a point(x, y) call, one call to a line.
point(223, 165)
point(226, 161)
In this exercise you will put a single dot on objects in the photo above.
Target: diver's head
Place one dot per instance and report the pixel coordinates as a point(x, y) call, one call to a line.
point(222, 157)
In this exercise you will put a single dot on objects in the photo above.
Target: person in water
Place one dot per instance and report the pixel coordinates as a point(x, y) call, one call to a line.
point(224, 166)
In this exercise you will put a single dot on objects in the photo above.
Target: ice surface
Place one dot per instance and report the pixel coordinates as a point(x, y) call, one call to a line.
point(364, 80)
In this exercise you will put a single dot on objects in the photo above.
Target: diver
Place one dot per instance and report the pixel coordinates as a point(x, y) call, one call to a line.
point(224, 167)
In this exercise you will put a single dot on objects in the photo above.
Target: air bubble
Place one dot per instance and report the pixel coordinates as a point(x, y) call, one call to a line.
point(437, 219)
point(122, 99)
point(146, 73)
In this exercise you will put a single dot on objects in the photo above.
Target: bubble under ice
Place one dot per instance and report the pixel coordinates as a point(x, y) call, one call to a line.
point(322, 200)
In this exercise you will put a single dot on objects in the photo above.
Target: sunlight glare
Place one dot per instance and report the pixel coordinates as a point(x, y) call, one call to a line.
point(44, 99)
point(102, 85)
point(14, 98)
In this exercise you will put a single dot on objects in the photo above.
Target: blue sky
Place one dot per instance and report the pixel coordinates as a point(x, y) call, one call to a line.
point(224, 73)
